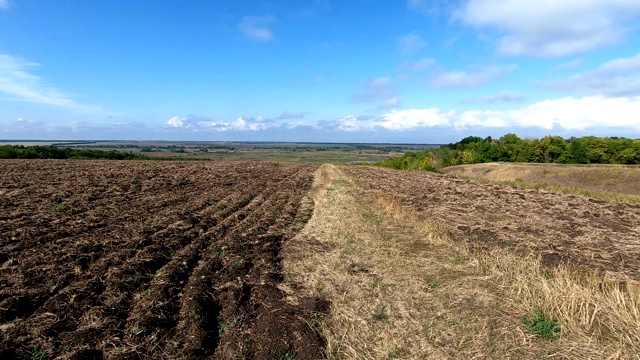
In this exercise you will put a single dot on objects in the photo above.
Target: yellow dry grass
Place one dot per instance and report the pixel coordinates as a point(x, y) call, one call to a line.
point(400, 288)
point(618, 183)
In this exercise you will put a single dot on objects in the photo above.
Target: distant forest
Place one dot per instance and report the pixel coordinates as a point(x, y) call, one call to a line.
point(53, 152)
point(511, 148)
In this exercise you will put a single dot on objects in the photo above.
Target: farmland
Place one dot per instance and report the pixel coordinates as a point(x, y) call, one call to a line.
point(561, 228)
point(262, 260)
point(136, 259)
point(612, 182)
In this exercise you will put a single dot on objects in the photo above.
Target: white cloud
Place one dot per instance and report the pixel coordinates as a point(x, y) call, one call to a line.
point(397, 120)
point(257, 27)
point(587, 113)
point(550, 28)
point(176, 121)
point(613, 78)
point(593, 112)
point(198, 124)
point(463, 79)
point(393, 102)
point(350, 123)
point(413, 118)
point(18, 84)
point(621, 65)
point(411, 43)
point(590, 113)
point(580, 114)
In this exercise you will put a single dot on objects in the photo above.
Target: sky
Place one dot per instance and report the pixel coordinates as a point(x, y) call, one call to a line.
point(393, 71)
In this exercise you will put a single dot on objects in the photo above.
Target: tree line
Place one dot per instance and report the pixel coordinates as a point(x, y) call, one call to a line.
point(53, 152)
point(511, 148)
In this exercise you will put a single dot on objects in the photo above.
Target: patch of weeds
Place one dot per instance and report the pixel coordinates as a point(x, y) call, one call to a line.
point(458, 260)
point(238, 263)
point(380, 316)
point(217, 251)
point(160, 271)
point(398, 352)
point(191, 314)
point(37, 354)
point(288, 356)
point(542, 325)
point(5, 335)
point(386, 237)
point(316, 320)
point(224, 327)
point(139, 332)
point(434, 286)
point(375, 283)
point(58, 206)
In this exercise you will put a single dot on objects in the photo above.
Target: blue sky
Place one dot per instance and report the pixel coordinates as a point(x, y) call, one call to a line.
point(318, 70)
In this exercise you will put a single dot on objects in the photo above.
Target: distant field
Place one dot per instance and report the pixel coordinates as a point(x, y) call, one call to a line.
point(244, 151)
point(604, 179)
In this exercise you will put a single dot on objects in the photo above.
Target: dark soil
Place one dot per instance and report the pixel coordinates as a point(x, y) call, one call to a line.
point(559, 228)
point(128, 260)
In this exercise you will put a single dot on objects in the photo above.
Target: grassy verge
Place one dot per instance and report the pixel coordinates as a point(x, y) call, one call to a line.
point(400, 288)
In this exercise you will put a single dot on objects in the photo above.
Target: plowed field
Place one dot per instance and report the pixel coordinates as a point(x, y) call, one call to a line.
point(560, 228)
point(126, 260)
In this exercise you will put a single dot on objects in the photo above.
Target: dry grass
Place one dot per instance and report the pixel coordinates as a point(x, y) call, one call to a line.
point(400, 288)
point(618, 183)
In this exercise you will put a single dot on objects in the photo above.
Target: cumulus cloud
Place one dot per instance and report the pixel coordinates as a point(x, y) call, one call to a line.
point(411, 43)
point(613, 78)
point(197, 124)
point(257, 27)
point(580, 114)
point(569, 113)
point(463, 79)
point(397, 120)
point(176, 121)
point(478, 118)
point(414, 118)
point(550, 28)
point(18, 84)
point(573, 114)
point(587, 113)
